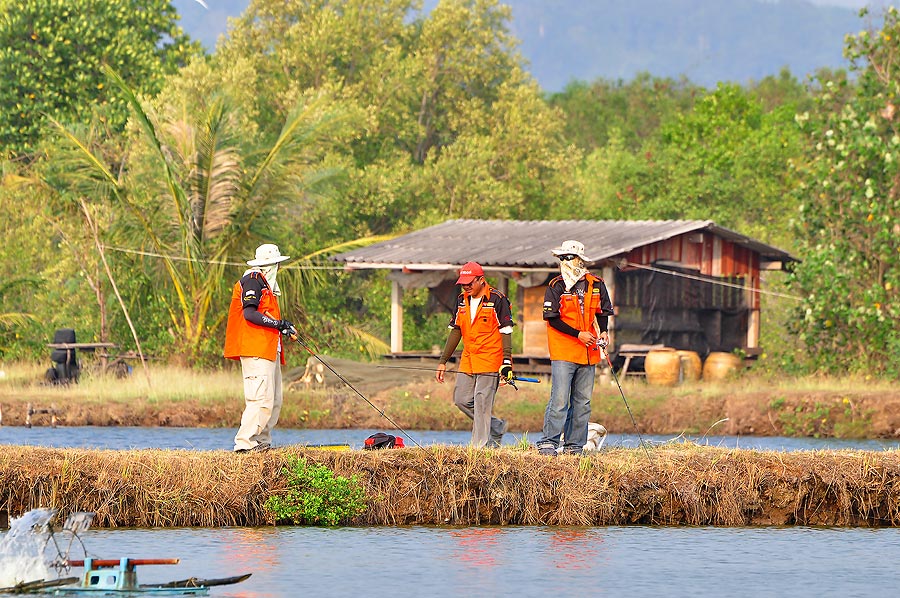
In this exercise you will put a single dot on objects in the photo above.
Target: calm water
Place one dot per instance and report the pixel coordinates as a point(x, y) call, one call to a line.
point(221, 438)
point(520, 561)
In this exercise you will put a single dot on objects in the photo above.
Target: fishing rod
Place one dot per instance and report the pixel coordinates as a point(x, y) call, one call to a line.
point(404, 367)
point(603, 353)
point(296, 337)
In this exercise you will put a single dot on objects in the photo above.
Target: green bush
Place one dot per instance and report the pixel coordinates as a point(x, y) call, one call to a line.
point(316, 496)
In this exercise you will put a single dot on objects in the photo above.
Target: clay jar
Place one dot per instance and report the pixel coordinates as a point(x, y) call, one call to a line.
point(720, 366)
point(663, 367)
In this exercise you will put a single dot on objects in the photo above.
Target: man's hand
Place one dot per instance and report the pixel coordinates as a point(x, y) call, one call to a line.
point(586, 338)
point(506, 371)
point(439, 374)
point(286, 328)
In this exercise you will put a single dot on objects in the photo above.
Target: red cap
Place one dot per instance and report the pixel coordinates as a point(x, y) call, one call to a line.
point(469, 272)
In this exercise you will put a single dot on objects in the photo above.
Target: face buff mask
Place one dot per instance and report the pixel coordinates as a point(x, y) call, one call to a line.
point(572, 271)
point(270, 273)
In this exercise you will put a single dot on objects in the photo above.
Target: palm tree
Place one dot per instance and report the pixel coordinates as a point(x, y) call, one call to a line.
point(212, 199)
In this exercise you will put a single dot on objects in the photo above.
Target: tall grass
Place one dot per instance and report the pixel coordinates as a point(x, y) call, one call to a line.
point(683, 485)
point(24, 381)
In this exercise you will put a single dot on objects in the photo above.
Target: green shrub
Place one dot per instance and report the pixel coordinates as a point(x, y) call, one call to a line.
point(316, 496)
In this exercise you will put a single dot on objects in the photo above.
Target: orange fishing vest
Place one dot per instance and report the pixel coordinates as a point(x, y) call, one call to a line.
point(568, 348)
point(245, 339)
point(482, 344)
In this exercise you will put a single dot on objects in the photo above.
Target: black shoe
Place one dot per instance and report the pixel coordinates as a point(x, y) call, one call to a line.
point(259, 448)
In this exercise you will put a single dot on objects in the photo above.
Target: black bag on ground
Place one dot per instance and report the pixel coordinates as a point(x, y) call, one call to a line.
point(380, 440)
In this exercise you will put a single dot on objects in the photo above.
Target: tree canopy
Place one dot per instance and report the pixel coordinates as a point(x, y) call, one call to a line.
point(51, 52)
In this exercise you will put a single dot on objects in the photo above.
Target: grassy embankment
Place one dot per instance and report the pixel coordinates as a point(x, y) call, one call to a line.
point(683, 485)
point(748, 405)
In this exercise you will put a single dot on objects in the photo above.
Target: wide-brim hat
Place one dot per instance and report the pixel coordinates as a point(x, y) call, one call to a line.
point(570, 248)
point(268, 254)
point(469, 272)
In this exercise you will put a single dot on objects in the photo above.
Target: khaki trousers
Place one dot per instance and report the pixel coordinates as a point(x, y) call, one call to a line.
point(262, 401)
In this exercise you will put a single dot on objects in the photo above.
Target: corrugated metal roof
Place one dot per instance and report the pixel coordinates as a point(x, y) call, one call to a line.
point(526, 244)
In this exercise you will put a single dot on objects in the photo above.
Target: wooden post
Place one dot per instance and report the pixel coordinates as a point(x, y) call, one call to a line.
point(396, 317)
point(28, 416)
point(753, 301)
point(52, 415)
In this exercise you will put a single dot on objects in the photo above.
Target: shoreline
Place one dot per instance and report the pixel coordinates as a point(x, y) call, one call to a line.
point(660, 411)
point(441, 485)
point(752, 404)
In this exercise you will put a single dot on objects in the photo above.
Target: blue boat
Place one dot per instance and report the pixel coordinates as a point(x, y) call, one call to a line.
point(118, 577)
point(102, 577)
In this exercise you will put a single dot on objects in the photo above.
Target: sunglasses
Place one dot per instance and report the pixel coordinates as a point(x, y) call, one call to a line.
point(566, 258)
point(473, 281)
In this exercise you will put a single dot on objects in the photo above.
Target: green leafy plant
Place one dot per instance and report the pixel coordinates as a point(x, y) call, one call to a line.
point(849, 278)
point(316, 496)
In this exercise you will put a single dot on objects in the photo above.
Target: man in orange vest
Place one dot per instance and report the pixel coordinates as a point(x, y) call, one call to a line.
point(483, 321)
point(253, 335)
point(577, 309)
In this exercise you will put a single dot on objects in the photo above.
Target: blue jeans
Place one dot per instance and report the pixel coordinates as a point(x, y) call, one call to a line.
point(569, 409)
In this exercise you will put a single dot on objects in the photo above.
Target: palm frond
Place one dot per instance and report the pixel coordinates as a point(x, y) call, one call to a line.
point(369, 343)
point(347, 246)
point(10, 319)
point(176, 191)
point(95, 163)
point(305, 129)
point(215, 183)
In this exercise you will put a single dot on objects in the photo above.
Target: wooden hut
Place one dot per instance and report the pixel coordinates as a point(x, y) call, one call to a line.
point(688, 284)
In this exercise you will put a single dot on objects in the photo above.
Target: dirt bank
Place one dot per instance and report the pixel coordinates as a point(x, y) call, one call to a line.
point(681, 485)
point(746, 406)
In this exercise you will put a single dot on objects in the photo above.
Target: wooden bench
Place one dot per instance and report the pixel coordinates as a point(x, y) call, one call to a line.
point(629, 352)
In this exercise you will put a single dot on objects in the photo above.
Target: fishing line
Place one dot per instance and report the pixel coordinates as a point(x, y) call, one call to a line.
point(296, 337)
point(405, 367)
point(624, 400)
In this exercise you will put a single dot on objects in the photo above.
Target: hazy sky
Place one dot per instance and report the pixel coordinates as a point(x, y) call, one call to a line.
point(851, 3)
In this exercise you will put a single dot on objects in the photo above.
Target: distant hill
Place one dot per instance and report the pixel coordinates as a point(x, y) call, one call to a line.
point(707, 41)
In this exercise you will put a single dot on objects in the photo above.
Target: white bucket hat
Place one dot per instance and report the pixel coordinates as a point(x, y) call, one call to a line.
point(570, 248)
point(268, 254)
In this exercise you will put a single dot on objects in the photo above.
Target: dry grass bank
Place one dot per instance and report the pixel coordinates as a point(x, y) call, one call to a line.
point(683, 485)
point(749, 405)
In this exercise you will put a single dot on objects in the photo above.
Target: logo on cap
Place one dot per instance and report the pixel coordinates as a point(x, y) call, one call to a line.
point(469, 272)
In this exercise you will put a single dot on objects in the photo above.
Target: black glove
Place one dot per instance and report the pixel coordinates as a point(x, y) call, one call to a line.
point(506, 371)
point(286, 328)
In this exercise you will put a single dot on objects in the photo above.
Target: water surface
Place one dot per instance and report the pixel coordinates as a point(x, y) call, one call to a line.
point(520, 561)
point(111, 437)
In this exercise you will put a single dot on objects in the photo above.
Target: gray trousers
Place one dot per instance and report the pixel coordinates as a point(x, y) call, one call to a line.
point(262, 401)
point(474, 395)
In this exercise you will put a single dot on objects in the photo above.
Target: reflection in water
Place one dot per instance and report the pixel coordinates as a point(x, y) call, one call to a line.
point(575, 548)
point(253, 547)
point(477, 546)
